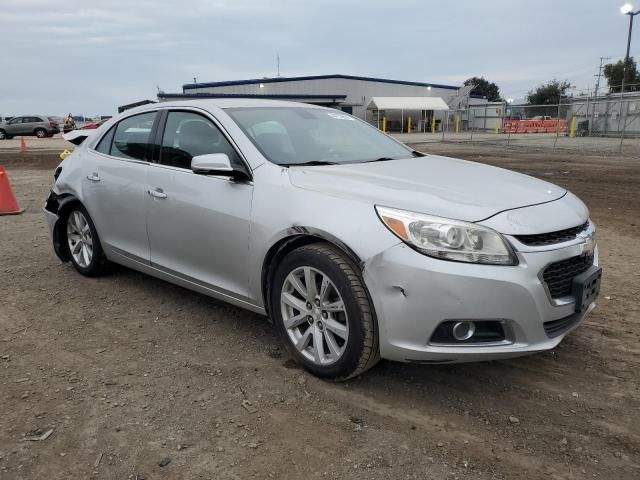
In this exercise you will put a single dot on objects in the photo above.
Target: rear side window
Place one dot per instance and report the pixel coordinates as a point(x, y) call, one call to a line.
point(104, 146)
point(132, 135)
point(187, 135)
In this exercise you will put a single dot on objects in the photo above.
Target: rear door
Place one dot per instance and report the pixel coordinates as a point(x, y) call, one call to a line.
point(114, 186)
point(198, 225)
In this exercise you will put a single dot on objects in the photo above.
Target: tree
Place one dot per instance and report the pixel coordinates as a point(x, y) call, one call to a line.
point(548, 93)
point(613, 73)
point(484, 88)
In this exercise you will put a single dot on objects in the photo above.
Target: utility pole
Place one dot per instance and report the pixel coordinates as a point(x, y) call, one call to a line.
point(278, 64)
point(595, 93)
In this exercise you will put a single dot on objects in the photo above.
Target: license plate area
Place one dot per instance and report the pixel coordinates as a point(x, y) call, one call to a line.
point(586, 288)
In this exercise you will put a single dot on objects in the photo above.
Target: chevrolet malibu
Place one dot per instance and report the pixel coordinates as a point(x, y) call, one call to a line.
point(355, 246)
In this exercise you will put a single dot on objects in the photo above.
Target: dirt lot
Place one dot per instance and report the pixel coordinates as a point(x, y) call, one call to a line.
point(129, 371)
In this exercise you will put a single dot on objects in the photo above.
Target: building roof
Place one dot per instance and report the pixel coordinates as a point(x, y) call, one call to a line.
point(284, 96)
point(253, 81)
point(122, 108)
point(407, 103)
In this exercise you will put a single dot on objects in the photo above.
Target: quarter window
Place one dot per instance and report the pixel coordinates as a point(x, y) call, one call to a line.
point(132, 135)
point(187, 135)
point(105, 142)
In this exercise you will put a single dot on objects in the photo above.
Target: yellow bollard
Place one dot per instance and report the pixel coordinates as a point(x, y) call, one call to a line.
point(497, 127)
point(409, 124)
point(65, 154)
point(433, 124)
point(572, 132)
point(384, 124)
point(457, 123)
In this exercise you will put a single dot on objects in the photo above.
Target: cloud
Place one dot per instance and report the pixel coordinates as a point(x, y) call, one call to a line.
point(90, 57)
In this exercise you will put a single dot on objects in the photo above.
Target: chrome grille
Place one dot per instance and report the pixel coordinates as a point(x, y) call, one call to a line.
point(542, 239)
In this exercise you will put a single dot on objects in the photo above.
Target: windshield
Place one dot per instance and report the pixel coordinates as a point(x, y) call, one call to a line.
point(299, 135)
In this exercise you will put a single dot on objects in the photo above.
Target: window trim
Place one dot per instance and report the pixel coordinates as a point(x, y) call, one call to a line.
point(198, 111)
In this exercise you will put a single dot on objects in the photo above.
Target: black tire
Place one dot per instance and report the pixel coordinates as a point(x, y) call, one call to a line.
point(362, 348)
point(40, 133)
point(3, 135)
point(98, 265)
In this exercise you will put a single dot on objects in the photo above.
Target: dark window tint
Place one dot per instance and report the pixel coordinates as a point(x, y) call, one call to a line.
point(36, 119)
point(131, 138)
point(105, 143)
point(187, 135)
point(15, 120)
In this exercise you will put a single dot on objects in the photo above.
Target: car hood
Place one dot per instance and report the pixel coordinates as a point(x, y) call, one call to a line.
point(434, 185)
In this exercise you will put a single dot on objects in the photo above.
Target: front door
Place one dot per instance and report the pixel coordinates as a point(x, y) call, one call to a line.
point(198, 225)
point(114, 187)
point(16, 126)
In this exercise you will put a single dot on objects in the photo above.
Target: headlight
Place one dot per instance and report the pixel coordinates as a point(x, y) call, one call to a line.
point(448, 239)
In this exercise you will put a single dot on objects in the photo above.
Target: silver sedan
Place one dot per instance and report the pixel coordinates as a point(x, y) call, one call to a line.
point(356, 247)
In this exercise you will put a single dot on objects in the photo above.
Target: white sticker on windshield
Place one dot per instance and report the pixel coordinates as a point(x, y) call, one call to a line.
point(339, 116)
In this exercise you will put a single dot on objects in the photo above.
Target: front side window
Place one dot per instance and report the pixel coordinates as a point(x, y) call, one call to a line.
point(132, 136)
point(187, 135)
point(297, 135)
point(15, 120)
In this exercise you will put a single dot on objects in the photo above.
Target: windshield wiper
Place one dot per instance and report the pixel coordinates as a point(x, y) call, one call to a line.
point(381, 159)
point(308, 164)
point(416, 153)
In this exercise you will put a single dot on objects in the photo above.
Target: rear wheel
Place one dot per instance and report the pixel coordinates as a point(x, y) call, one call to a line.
point(40, 132)
point(3, 134)
point(323, 312)
point(82, 243)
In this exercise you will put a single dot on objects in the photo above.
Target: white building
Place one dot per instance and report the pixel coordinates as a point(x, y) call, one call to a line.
point(348, 93)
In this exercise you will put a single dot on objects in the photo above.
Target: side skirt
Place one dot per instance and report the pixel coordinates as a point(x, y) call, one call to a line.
point(176, 278)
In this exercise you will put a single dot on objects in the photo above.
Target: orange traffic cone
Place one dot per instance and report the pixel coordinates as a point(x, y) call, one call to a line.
point(23, 145)
point(8, 202)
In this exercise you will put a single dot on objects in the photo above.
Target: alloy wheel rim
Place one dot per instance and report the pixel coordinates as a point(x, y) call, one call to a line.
point(40, 134)
point(314, 315)
point(79, 239)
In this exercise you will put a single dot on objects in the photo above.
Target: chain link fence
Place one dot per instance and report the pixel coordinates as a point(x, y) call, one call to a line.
point(608, 125)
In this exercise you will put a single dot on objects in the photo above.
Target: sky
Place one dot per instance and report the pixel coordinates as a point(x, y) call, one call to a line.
point(87, 57)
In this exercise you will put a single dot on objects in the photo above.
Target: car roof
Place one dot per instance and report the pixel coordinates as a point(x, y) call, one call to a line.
point(223, 103)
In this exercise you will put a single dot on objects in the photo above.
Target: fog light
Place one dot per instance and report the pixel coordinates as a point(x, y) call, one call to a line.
point(463, 330)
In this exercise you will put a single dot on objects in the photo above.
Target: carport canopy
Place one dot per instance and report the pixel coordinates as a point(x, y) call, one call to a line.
point(407, 103)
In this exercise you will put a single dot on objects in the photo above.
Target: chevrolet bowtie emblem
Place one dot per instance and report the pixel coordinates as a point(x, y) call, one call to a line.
point(589, 244)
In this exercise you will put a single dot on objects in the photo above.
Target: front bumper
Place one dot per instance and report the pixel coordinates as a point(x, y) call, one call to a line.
point(413, 294)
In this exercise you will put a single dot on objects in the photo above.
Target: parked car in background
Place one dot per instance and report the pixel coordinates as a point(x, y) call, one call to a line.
point(28, 125)
point(92, 125)
point(356, 246)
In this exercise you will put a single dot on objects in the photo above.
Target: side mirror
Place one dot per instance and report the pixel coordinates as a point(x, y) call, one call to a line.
point(212, 163)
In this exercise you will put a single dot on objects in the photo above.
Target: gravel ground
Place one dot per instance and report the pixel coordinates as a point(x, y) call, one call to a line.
point(131, 377)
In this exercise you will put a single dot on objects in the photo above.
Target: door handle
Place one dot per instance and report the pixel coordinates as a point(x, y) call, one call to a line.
point(94, 177)
point(157, 193)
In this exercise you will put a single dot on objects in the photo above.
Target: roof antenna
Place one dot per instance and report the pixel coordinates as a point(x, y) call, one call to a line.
point(194, 80)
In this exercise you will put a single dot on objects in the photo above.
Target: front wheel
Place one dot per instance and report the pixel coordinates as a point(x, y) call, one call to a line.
point(323, 312)
point(82, 243)
point(3, 134)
